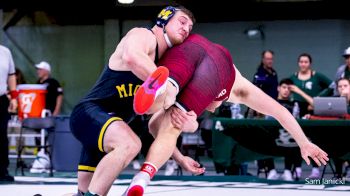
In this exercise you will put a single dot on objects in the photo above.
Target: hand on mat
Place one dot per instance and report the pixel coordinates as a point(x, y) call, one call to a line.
point(317, 154)
point(190, 165)
point(185, 121)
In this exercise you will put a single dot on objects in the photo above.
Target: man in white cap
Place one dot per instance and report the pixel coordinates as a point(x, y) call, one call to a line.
point(344, 70)
point(54, 99)
point(54, 96)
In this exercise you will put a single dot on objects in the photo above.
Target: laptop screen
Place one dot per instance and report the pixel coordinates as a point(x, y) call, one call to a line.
point(330, 106)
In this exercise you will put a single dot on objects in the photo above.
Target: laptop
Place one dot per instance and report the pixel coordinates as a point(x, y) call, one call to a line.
point(330, 106)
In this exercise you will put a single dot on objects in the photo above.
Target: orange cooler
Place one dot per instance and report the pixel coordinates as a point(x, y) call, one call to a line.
point(31, 100)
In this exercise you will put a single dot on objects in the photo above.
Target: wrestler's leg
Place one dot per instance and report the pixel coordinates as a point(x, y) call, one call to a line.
point(160, 151)
point(121, 145)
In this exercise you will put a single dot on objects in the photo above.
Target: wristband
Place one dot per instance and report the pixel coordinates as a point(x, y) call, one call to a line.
point(14, 94)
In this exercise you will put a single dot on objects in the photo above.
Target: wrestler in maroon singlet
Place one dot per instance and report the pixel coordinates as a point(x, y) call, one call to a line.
point(203, 70)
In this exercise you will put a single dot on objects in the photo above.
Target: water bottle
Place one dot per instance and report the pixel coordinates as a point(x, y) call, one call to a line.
point(296, 110)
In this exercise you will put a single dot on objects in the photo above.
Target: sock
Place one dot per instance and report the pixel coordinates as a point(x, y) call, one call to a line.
point(80, 193)
point(90, 194)
point(149, 168)
point(144, 176)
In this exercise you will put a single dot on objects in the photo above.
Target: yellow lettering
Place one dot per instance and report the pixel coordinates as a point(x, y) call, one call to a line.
point(121, 91)
point(136, 87)
point(130, 89)
point(164, 14)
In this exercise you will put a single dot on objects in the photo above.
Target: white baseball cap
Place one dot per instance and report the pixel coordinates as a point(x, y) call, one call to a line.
point(347, 52)
point(43, 65)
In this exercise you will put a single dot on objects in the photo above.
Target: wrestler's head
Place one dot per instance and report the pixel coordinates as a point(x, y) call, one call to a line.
point(177, 23)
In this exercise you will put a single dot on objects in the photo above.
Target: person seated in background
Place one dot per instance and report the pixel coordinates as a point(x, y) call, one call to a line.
point(20, 77)
point(343, 87)
point(343, 71)
point(292, 158)
point(343, 90)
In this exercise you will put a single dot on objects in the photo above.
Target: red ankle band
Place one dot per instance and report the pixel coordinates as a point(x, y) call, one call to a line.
point(149, 168)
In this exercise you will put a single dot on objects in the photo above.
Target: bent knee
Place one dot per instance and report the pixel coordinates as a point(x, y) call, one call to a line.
point(128, 146)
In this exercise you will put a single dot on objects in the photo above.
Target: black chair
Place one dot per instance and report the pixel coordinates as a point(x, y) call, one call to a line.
point(331, 165)
point(45, 125)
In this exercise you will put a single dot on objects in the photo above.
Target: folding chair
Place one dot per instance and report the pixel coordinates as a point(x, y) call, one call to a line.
point(44, 124)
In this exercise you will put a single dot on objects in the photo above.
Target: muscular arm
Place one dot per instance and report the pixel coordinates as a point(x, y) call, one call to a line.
point(136, 51)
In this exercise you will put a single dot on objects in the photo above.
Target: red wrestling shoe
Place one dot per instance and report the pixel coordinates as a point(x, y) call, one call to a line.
point(135, 190)
point(150, 89)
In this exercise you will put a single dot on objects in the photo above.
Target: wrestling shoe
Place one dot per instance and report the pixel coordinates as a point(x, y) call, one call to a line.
point(150, 89)
point(138, 184)
point(135, 190)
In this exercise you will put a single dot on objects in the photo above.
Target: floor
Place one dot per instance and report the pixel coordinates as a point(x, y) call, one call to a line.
point(65, 183)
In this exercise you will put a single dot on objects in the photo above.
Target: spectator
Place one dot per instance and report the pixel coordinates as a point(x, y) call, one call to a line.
point(310, 82)
point(344, 70)
point(54, 99)
point(266, 79)
point(20, 77)
point(343, 88)
point(292, 157)
point(313, 84)
point(7, 82)
point(54, 96)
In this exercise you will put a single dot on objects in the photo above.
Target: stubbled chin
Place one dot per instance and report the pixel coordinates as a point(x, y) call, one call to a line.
point(178, 41)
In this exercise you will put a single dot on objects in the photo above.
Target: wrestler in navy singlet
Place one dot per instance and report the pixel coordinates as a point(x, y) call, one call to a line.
point(111, 99)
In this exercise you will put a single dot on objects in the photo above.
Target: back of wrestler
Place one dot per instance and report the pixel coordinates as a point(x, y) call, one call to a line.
point(203, 71)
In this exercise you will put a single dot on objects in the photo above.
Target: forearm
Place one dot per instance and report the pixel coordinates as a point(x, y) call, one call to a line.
point(12, 82)
point(308, 98)
point(59, 101)
point(289, 123)
point(177, 155)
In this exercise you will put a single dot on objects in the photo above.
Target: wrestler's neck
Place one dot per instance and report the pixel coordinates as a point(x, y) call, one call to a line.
point(162, 45)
